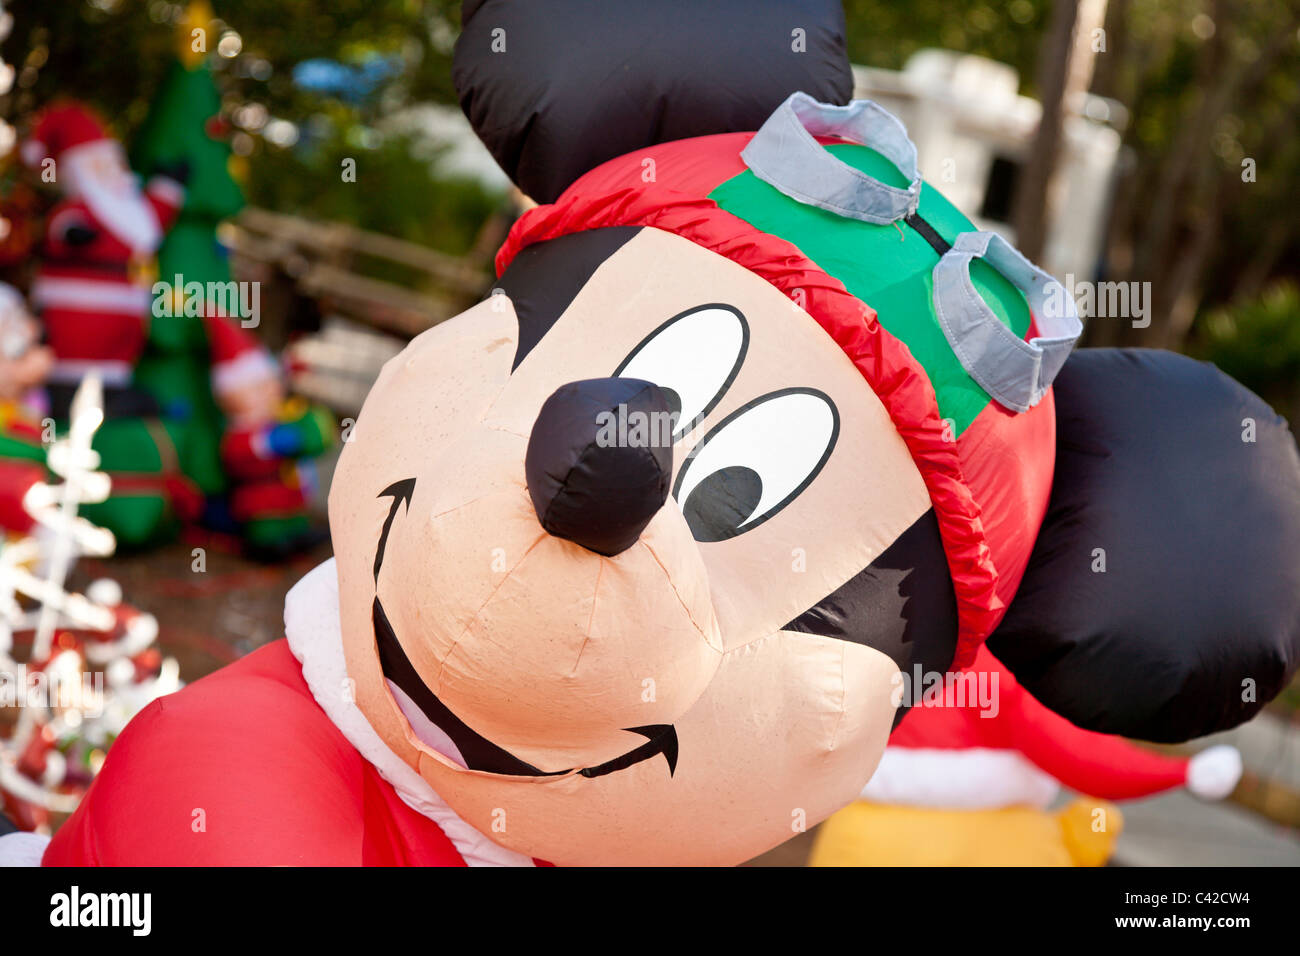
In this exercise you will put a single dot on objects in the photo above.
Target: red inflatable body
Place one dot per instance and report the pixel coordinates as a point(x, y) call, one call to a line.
point(325, 806)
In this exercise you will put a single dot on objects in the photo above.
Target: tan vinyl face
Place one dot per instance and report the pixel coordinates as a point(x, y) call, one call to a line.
point(554, 653)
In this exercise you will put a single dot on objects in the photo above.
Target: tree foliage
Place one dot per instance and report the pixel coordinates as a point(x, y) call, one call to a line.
point(117, 54)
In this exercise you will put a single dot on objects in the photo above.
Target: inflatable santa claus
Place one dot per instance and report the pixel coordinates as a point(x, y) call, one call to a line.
point(92, 289)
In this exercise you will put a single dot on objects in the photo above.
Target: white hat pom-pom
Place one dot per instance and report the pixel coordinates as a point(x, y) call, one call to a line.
point(1213, 773)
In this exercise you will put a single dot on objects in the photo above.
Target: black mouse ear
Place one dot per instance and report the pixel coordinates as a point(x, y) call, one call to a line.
point(1162, 599)
point(555, 89)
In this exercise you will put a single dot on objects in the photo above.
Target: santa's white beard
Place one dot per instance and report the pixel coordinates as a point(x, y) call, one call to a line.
point(98, 174)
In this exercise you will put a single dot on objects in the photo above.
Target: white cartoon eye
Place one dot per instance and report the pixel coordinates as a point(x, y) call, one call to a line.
point(693, 357)
point(755, 462)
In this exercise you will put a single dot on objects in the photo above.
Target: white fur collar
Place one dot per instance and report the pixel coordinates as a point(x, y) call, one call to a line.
point(311, 623)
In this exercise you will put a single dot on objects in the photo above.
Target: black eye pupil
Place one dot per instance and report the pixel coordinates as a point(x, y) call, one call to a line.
point(719, 504)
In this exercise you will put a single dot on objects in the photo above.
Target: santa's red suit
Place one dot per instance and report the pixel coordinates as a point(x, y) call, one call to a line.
point(90, 288)
point(340, 797)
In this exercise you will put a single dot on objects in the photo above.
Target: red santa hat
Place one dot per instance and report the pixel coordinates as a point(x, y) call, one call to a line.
point(92, 166)
point(238, 358)
point(62, 128)
point(984, 741)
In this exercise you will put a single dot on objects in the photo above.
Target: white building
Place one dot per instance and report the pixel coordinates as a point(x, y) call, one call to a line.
point(973, 130)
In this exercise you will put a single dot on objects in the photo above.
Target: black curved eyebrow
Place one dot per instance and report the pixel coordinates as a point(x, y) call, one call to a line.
point(545, 278)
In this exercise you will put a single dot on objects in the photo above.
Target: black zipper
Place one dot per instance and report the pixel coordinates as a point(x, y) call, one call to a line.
point(928, 233)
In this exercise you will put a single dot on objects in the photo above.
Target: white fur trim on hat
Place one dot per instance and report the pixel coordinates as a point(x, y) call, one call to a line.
point(973, 778)
point(254, 365)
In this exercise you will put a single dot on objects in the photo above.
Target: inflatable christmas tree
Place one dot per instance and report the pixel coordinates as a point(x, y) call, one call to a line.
point(184, 130)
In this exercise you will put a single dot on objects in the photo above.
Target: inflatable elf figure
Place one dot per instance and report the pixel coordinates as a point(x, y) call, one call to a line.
point(267, 444)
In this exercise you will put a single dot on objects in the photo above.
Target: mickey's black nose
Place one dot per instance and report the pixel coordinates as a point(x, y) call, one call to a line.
point(599, 461)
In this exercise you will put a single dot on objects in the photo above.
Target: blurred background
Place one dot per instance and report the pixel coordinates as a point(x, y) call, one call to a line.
point(1115, 141)
point(1169, 150)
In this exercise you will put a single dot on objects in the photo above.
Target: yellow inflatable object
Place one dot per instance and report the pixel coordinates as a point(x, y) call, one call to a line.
point(872, 834)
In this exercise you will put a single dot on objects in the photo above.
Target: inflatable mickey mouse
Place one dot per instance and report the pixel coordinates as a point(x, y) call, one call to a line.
point(538, 642)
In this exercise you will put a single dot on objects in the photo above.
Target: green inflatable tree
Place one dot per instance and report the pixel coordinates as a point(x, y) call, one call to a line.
point(184, 126)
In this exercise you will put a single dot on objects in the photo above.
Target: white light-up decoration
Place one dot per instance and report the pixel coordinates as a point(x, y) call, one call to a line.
point(63, 706)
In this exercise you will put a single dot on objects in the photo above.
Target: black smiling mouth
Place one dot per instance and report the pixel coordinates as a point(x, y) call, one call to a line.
point(478, 752)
